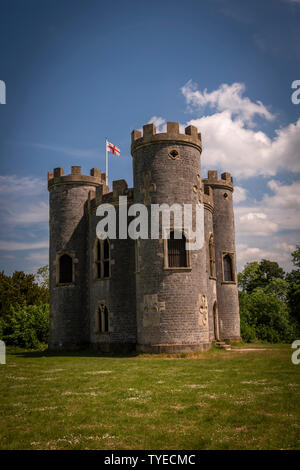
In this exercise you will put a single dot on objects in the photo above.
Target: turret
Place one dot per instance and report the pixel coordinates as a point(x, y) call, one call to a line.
point(225, 254)
point(171, 284)
point(69, 317)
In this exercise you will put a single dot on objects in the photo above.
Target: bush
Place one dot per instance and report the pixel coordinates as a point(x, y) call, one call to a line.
point(264, 316)
point(26, 325)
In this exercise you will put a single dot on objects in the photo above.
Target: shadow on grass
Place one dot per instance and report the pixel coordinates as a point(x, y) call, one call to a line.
point(88, 352)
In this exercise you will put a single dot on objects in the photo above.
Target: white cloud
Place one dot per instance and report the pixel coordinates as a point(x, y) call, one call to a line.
point(226, 98)
point(280, 252)
point(277, 212)
point(41, 258)
point(21, 200)
point(20, 246)
point(228, 145)
point(254, 223)
point(28, 214)
point(286, 196)
point(239, 194)
point(12, 184)
point(269, 228)
point(159, 123)
point(228, 142)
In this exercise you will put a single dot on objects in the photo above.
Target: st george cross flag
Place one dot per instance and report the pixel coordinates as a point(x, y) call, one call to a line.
point(112, 148)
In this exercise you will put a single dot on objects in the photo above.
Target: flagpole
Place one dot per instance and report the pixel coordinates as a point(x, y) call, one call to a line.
point(106, 161)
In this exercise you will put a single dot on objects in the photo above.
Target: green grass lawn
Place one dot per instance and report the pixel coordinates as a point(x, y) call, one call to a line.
point(215, 400)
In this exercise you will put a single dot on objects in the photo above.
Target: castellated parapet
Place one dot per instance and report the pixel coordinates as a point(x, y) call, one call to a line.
point(190, 137)
point(152, 295)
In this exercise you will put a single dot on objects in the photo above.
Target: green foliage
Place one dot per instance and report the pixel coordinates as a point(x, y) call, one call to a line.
point(259, 275)
point(20, 288)
point(265, 317)
point(296, 257)
point(248, 276)
point(270, 301)
point(42, 276)
point(25, 325)
point(293, 279)
point(278, 287)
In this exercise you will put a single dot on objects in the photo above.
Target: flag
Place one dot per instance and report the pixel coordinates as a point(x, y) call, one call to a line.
point(112, 148)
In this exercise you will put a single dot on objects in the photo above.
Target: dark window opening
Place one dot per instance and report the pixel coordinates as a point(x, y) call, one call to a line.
point(177, 255)
point(212, 260)
point(106, 258)
point(100, 319)
point(65, 269)
point(174, 154)
point(103, 319)
point(105, 314)
point(228, 268)
point(102, 259)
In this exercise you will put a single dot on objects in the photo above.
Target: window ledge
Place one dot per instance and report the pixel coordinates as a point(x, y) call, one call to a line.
point(61, 284)
point(186, 268)
point(102, 279)
point(228, 282)
point(213, 278)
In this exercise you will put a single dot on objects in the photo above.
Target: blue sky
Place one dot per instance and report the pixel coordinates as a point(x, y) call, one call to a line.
point(77, 71)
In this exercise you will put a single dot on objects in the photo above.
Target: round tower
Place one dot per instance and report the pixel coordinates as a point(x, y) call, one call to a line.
point(225, 255)
point(171, 282)
point(69, 320)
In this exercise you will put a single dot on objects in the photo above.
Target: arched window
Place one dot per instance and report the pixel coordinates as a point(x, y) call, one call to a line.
point(212, 259)
point(228, 268)
point(102, 259)
point(106, 258)
point(65, 269)
point(103, 320)
point(177, 254)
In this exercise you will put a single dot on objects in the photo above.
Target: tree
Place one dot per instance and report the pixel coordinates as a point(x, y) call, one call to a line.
point(259, 275)
point(26, 326)
point(18, 289)
point(42, 276)
point(265, 317)
point(266, 299)
point(293, 279)
point(296, 257)
point(248, 277)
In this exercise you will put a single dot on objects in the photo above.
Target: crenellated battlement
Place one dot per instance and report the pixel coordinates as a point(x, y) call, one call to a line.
point(58, 177)
point(102, 195)
point(212, 180)
point(190, 137)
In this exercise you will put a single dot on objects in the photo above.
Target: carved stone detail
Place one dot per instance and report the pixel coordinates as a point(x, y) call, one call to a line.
point(203, 309)
point(151, 309)
point(197, 188)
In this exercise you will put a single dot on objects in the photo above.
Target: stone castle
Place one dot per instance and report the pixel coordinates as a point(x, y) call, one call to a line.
point(144, 294)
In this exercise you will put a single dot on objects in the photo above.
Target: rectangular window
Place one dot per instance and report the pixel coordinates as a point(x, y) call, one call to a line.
point(102, 260)
point(177, 255)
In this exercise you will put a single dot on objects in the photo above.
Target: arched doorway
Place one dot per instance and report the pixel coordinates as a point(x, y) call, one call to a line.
point(216, 321)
